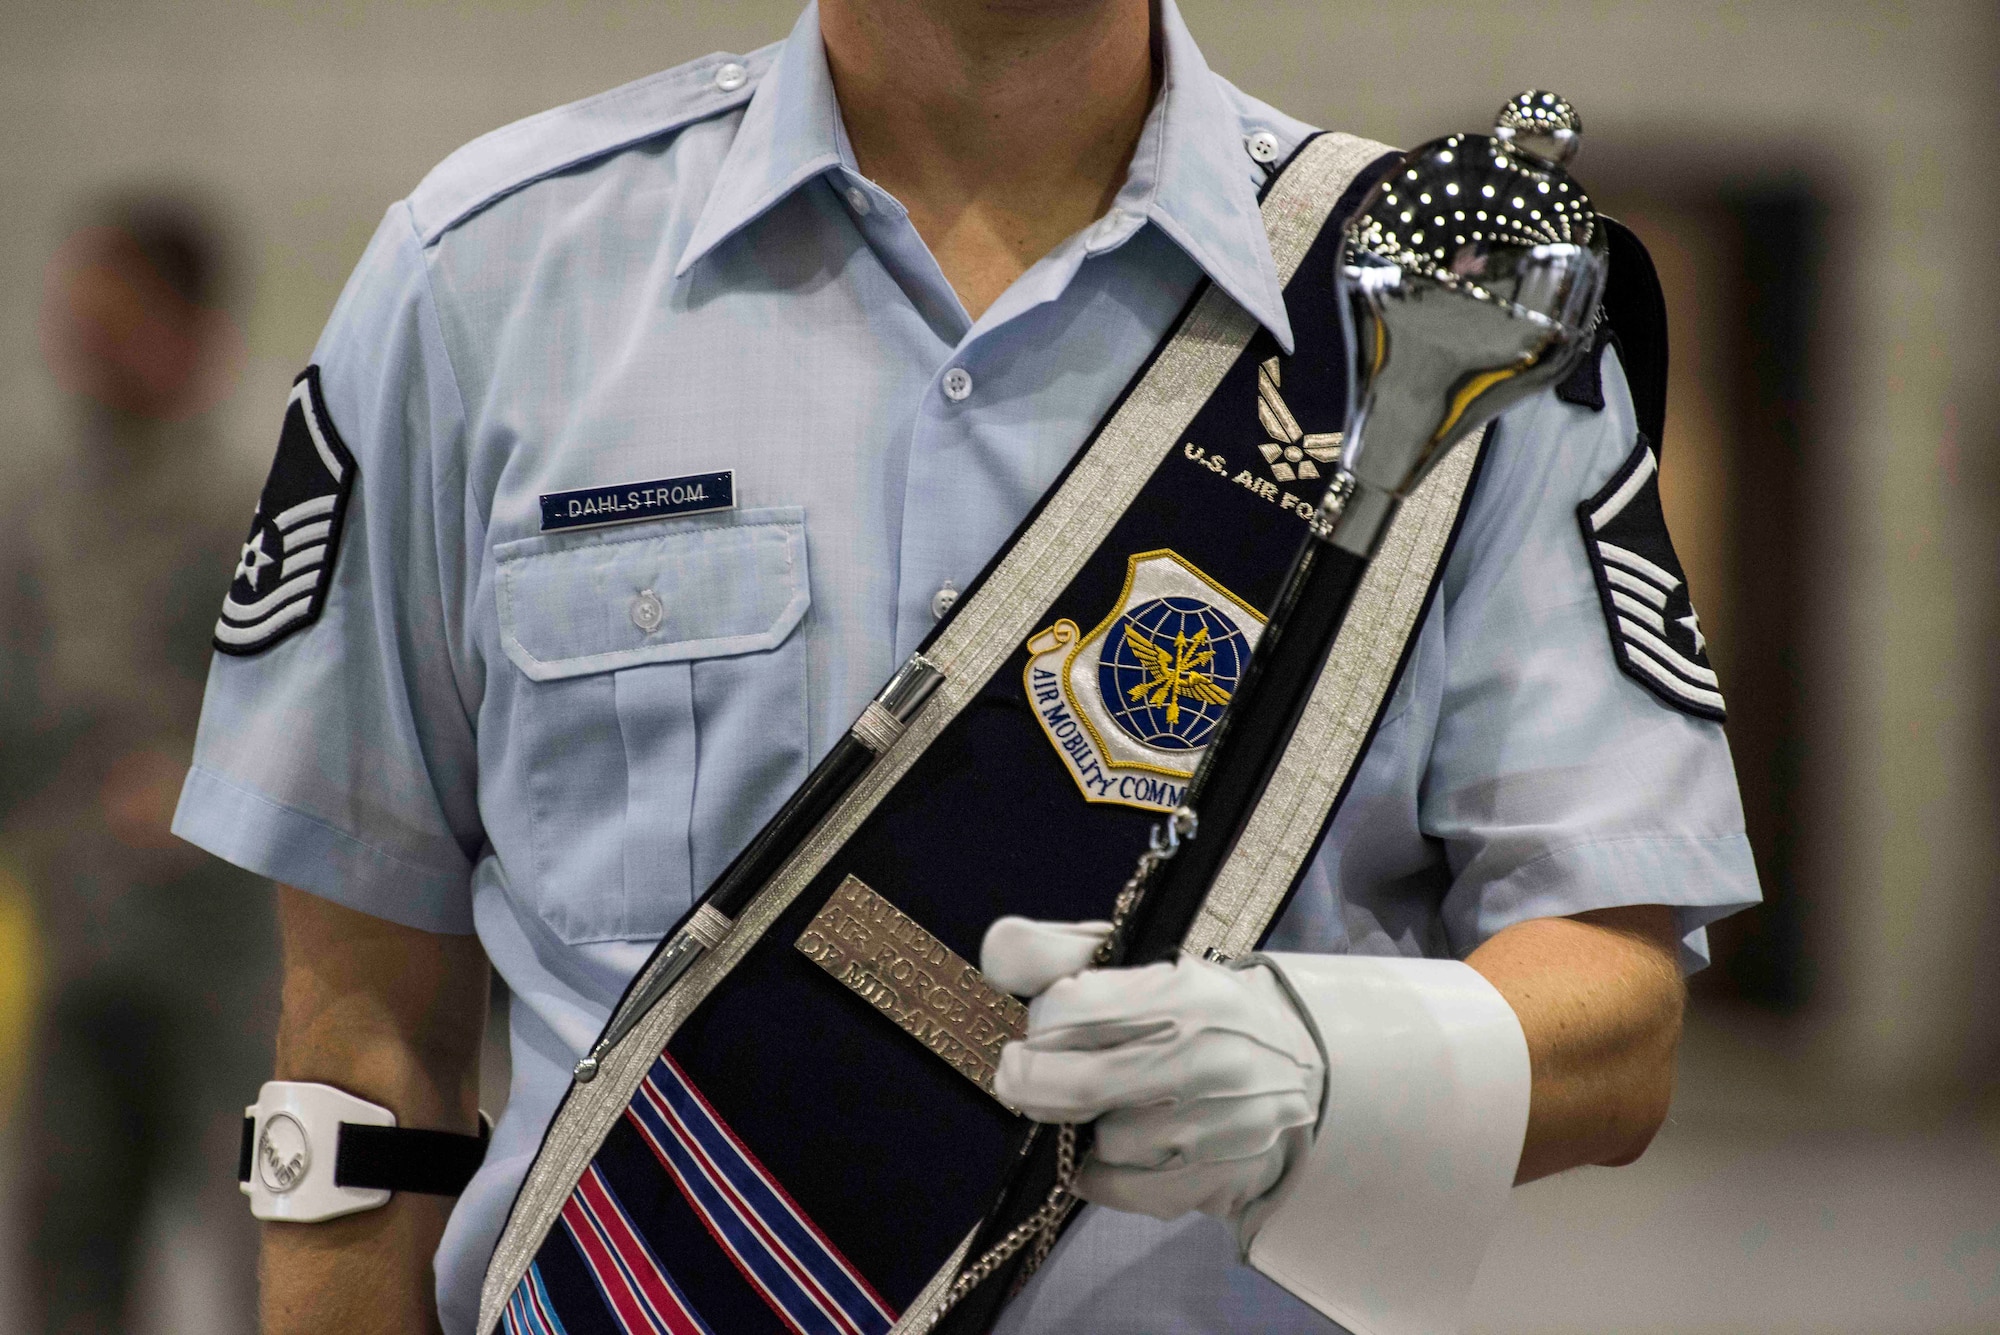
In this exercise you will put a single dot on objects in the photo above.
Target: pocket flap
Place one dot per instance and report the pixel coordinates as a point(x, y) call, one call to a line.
point(573, 604)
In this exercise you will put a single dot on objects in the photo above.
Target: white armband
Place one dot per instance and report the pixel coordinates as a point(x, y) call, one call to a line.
point(312, 1152)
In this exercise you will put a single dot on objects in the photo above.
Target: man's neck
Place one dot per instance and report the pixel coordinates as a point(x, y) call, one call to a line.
point(1003, 126)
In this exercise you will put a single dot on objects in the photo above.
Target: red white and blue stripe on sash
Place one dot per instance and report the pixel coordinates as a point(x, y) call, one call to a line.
point(783, 1254)
point(530, 1311)
point(642, 1297)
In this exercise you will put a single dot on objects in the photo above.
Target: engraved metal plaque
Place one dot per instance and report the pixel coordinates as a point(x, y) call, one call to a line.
point(883, 956)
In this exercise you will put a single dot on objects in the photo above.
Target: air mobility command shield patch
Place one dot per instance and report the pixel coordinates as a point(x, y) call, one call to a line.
point(1131, 706)
point(1655, 634)
point(286, 565)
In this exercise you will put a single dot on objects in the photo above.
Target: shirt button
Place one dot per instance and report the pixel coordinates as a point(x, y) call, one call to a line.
point(1105, 230)
point(944, 600)
point(1263, 146)
point(730, 77)
point(648, 612)
point(857, 199)
point(957, 384)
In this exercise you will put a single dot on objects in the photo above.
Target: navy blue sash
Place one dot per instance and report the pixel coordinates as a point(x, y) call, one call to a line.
point(792, 1161)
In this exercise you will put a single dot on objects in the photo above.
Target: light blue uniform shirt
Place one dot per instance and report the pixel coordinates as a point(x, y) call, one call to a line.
point(689, 274)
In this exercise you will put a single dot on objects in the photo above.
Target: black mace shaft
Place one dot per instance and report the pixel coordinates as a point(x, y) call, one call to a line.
point(1264, 711)
point(1250, 741)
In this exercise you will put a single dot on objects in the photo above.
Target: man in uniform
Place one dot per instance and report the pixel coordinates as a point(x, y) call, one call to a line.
point(162, 976)
point(887, 274)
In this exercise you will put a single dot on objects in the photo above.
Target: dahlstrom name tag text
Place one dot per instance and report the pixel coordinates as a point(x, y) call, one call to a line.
point(629, 502)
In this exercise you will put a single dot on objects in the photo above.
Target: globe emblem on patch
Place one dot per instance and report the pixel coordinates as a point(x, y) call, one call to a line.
point(1168, 669)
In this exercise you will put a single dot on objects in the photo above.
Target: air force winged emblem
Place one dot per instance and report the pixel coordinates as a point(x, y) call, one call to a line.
point(1293, 454)
point(1131, 706)
point(286, 566)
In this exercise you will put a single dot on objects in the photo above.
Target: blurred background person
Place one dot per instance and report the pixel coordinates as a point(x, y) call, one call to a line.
point(154, 1024)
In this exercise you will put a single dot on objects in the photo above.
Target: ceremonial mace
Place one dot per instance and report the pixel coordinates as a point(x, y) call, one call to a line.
point(1469, 279)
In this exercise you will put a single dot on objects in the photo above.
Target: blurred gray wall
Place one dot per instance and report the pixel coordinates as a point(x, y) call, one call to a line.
point(305, 120)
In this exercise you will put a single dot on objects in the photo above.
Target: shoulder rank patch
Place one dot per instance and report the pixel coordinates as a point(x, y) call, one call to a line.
point(287, 562)
point(1131, 705)
point(1655, 634)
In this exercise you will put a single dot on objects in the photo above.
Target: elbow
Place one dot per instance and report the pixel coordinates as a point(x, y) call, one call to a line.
point(1642, 1120)
point(1646, 1087)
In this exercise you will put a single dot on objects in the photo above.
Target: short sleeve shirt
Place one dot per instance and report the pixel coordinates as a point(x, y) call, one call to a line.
point(556, 738)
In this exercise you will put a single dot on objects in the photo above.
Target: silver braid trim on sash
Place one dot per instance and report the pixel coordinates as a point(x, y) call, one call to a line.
point(1343, 707)
point(982, 634)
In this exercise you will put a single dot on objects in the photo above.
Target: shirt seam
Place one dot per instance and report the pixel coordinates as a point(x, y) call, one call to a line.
point(784, 524)
point(698, 73)
point(465, 420)
point(1492, 566)
point(286, 809)
point(431, 299)
point(1612, 841)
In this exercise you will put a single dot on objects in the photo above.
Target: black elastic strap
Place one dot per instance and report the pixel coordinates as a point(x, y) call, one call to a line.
point(395, 1158)
point(1584, 386)
point(1637, 309)
point(1634, 322)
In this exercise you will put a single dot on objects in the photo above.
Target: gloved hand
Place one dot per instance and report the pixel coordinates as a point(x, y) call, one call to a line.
point(1204, 1081)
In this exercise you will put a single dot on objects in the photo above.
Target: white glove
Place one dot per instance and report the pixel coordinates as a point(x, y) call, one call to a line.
point(1204, 1081)
point(1022, 956)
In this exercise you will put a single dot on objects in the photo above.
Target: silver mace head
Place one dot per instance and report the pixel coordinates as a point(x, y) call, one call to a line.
point(1472, 276)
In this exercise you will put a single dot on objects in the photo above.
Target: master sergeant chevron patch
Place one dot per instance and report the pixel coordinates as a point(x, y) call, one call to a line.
point(1655, 634)
point(286, 567)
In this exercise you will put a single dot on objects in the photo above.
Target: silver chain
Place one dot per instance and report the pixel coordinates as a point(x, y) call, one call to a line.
point(1045, 1225)
point(1042, 1227)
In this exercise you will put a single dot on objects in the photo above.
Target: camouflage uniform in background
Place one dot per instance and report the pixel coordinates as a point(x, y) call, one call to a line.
point(159, 991)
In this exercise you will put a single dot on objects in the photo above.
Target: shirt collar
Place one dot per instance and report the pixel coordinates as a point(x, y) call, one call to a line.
point(1190, 175)
point(790, 135)
point(1202, 183)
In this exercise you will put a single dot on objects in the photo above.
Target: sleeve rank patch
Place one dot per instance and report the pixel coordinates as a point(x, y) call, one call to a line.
point(1655, 634)
point(286, 567)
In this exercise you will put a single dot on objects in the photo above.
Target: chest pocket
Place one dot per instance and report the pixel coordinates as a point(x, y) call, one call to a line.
point(663, 716)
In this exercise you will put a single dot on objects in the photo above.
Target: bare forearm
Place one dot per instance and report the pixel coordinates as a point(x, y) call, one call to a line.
point(368, 1274)
point(1599, 998)
point(394, 1016)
